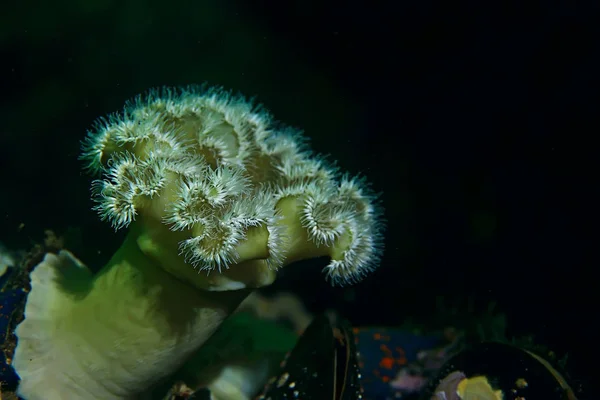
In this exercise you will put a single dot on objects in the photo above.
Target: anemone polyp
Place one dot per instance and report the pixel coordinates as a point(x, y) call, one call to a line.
point(197, 158)
point(203, 180)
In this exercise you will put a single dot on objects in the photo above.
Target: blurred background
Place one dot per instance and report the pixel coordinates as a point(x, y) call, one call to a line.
point(475, 124)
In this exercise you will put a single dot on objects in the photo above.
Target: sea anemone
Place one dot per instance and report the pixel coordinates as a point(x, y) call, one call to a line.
point(217, 197)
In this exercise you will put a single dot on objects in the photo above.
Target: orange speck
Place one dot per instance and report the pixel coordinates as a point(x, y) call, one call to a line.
point(386, 379)
point(387, 362)
point(377, 336)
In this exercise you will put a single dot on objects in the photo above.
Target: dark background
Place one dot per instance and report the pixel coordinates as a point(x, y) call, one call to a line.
point(477, 123)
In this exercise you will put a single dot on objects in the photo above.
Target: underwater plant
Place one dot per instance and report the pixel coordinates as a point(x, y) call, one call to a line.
point(216, 197)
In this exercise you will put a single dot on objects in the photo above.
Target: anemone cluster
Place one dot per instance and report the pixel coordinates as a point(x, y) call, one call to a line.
point(213, 165)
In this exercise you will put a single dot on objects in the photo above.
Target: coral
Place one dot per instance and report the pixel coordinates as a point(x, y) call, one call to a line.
point(217, 168)
point(205, 181)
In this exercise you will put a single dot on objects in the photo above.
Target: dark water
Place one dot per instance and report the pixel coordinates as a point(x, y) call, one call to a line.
point(475, 123)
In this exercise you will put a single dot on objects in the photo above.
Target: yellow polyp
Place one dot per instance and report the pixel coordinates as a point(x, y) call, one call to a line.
point(255, 244)
point(110, 147)
point(143, 148)
point(189, 125)
point(298, 244)
point(210, 155)
point(478, 388)
point(260, 169)
point(341, 245)
point(227, 134)
point(156, 207)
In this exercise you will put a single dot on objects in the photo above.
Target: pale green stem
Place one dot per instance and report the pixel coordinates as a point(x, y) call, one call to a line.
point(113, 335)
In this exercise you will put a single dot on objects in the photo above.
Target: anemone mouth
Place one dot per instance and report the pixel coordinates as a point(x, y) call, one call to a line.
point(212, 165)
